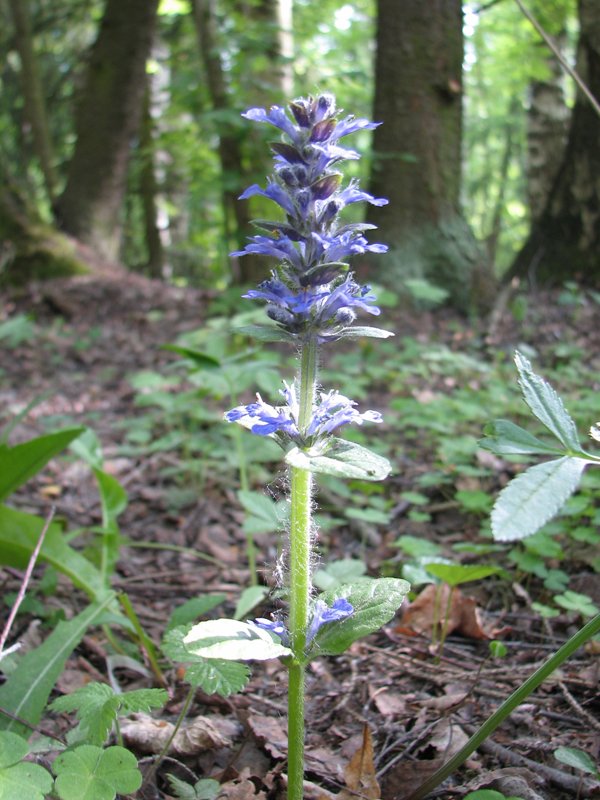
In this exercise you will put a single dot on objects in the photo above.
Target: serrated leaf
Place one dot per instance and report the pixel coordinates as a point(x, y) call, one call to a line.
point(547, 406)
point(375, 603)
point(216, 676)
point(356, 331)
point(344, 460)
point(265, 333)
point(233, 640)
point(504, 438)
point(91, 773)
point(534, 497)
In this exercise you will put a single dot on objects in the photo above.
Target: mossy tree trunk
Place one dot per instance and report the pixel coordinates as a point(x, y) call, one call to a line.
point(417, 150)
point(564, 242)
point(107, 121)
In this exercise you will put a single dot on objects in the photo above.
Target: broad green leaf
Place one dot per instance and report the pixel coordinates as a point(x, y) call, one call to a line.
point(374, 603)
point(344, 460)
point(26, 692)
point(364, 330)
point(457, 574)
point(347, 570)
point(19, 533)
point(505, 439)
point(534, 497)
point(547, 406)
point(20, 779)
point(576, 758)
point(232, 640)
point(113, 498)
point(201, 360)
point(194, 608)
point(21, 462)
point(213, 676)
point(249, 598)
point(265, 333)
point(260, 505)
point(91, 773)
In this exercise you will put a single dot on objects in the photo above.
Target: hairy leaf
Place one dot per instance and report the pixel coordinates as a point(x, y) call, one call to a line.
point(534, 497)
point(344, 460)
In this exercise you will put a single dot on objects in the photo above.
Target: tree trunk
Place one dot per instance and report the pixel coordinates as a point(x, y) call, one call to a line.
point(148, 192)
point(107, 121)
point(417, 151)
point(564, 242)
point(547, 128)
point(35, 106)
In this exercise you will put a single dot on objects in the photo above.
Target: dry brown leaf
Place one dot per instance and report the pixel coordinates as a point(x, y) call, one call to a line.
point(431, 608)
point(360, 774)
point(388, 703)
point(270, 733)
point(151, 735)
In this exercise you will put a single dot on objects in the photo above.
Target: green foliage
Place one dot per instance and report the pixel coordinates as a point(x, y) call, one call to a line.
point(204, 789)
point(374, 603)
point(17, 330)
point(213, 676)
point(19, 778)
point(98, 706)
point(344, 460)
point(26, 691)
point(578, 759)
point(91, 773)
point(337, 573)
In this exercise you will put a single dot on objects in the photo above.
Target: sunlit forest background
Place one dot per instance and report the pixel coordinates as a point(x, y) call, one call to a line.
point(120, 126)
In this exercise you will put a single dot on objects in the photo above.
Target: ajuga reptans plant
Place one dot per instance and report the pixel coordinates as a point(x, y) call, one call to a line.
point(312, 299)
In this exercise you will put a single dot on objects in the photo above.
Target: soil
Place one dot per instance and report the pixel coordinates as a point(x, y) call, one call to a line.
point(383, 716)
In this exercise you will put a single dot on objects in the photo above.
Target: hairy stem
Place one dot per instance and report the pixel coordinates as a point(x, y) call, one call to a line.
point(300, 578)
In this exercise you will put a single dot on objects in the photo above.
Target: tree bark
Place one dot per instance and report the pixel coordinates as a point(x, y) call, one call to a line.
point(35, 105)
point(565, 241)
point(107, 121)
point(417, 151)
point(148, 191)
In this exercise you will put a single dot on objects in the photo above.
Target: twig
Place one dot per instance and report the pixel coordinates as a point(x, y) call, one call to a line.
point(563, 62)
point(589, 718)
point(25, 582)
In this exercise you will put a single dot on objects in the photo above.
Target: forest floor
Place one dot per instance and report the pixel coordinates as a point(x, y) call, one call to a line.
point(418, 705)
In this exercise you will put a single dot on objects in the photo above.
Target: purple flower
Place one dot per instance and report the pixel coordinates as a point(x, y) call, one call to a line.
point(322, 614)
point(331, 412)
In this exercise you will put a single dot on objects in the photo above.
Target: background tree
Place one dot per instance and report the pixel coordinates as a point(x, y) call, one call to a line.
point(565, 240)
point(417, 152)
point(108, 118)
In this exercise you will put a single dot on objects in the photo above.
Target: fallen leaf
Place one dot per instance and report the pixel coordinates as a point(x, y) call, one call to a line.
point(360, 773)
point(202, 733)
point(270, 733)
point(431, 609)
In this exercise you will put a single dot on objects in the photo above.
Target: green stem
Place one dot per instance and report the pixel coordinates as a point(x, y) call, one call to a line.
point(509, 705)
point(300, 578)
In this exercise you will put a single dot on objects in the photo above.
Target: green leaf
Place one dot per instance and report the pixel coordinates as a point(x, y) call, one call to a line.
point(534, 497)
point(97, 706)
point(113, 498)
point(504, 438)
point(26, 692)
point(201, 360)
point(20, 779)
point(19, 463)
point(547, 406)
point(265, 333)
point(357, 331)
point(19, 534)
point(214, 676)
point(344, 460)
point(194, 608)
point(233, 640)
point(249, 598)
point(375, 603)
point(265, 513)
point(204, 789)
point(457, 574)
point(576, 758)
point(88, 448)
point(91, 773)
point(347, 570)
